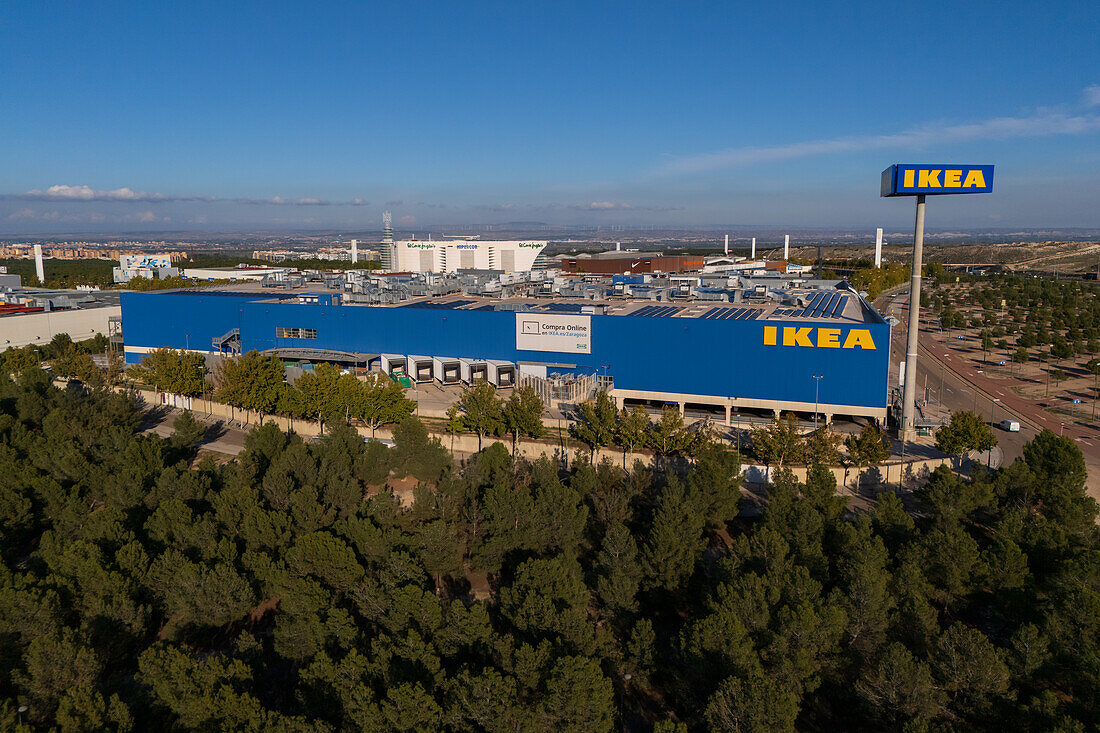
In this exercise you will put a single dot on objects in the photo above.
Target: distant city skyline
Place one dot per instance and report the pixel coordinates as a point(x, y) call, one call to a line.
point(128, 117)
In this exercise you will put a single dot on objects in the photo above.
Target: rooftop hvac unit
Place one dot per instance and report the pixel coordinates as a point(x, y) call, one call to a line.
point(473, 371)
point(420, 368)
point(447, 371)
point(393, 362)
point(502, 373)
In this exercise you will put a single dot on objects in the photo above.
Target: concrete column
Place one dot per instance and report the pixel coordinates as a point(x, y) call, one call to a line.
point(786, 246)
point(681, 406)
point(728, 409)
point(618, 402)
point(776, 412)
point(878, 247)
point(828, 418)
point(753, 255)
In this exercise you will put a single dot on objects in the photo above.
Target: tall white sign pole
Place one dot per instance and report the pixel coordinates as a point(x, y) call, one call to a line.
point(909, 391)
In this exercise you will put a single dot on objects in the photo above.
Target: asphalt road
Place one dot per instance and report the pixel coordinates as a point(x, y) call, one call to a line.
point(965, 387)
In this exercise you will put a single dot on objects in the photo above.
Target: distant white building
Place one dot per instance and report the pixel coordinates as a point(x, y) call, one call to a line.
point(147, 266)
point(241, 272)
point(414, 255)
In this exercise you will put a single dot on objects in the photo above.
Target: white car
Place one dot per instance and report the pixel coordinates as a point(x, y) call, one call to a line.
point(1010, 426)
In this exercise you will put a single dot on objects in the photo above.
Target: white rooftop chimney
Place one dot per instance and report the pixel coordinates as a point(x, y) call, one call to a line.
point(753, 255)
point(38, 268)
point(878, 247)
point(786, 246)
point(354, 251)
point(618, 246)
point(727, 244)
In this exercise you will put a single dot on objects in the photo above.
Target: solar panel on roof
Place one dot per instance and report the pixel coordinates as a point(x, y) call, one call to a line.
point(753, 315)
point(839, 307)
point(710, 313)
point(433, 305)
point(819, 306)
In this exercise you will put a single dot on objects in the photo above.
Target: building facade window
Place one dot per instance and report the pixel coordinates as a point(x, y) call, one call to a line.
point(295, 333)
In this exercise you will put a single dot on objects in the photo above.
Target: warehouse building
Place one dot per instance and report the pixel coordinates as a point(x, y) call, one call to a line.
point(804, 351)
point(36, 315)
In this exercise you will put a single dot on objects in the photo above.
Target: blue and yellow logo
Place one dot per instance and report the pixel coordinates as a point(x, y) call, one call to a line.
point(906, 179)
point(820, 338)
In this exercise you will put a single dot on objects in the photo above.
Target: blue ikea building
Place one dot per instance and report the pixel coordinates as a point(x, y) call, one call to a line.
point(824, 350)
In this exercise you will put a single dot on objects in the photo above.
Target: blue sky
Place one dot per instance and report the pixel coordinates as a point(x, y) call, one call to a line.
point(120, 115)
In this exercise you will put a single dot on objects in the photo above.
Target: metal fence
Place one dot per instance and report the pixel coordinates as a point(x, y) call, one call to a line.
point(572, 388)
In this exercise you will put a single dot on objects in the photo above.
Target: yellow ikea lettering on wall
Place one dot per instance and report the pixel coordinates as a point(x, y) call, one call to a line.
point(820, 338)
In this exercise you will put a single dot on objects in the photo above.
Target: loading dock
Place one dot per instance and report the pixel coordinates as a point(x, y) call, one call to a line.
point(501, 374)
point(446, 371)
point(420, 368)
point(474, 371)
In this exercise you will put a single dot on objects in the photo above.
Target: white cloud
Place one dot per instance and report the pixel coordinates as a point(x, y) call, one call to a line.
point(1092, 95)
point(68, 192)
point(87, 193)
point(1042, 124)
point(64, 192)
point(21, 214)
point(147, 216)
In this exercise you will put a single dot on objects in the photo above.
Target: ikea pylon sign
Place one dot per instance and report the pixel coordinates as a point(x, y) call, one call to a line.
point(908, 179)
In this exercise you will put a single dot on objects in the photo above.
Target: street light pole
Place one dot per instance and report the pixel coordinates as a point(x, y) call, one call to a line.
point(992, 407)
point(943, 364)
point(1095, 375)
point(817, 392)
